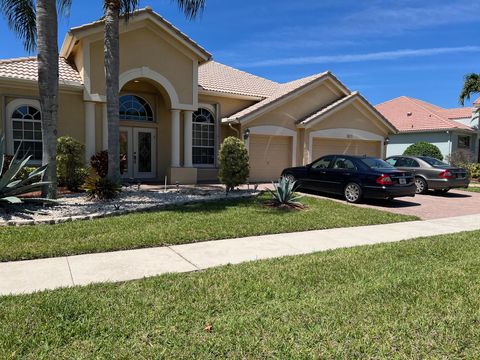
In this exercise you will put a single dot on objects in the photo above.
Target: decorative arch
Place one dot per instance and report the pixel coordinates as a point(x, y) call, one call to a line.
point(146, 72)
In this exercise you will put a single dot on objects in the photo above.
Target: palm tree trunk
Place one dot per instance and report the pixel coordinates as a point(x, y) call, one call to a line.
point(112, 73)
point(47, 45)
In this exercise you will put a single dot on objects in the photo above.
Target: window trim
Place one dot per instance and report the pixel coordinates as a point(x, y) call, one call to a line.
point(153, 121)
point(10, 109)
point(211, 109)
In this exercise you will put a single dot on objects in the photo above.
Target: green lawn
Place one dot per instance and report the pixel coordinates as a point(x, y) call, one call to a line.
point(471, 189)
point(179, 225)
point(408, 300)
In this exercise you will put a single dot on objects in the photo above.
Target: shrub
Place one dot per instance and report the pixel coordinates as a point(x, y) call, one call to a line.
point(461, 157)
point(101, 188)
point(234, 168)
point(284, 193)
point(99, 163)
point(70, 164)
point(424, 149)
point(473, 169)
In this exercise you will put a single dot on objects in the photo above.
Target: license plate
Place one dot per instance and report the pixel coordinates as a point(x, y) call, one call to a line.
point(402, 181)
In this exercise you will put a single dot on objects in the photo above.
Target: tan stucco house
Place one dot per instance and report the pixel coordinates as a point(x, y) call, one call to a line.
point(177, 105)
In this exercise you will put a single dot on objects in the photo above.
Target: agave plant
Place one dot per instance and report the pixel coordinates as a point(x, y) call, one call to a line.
point(284, 193)
point(11, 188)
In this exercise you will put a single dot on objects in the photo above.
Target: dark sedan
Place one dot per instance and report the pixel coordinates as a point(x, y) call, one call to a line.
point(354, 177)
point(431, 173)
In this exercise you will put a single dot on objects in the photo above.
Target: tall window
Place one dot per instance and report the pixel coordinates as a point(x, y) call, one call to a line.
point(135, 108)
point(27, 131)
point(203, 150)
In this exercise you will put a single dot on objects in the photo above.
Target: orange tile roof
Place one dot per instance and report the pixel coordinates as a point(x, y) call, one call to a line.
point(213, 76)
point(409, 115)
point(27, 69)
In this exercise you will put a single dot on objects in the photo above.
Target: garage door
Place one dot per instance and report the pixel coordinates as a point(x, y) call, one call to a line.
point(347, 147)
point(269, 155)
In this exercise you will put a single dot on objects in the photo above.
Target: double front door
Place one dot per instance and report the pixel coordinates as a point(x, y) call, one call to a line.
point(137, 152)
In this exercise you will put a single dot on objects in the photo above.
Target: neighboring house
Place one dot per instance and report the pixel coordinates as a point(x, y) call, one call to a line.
point(417, 120)
point(177, 106)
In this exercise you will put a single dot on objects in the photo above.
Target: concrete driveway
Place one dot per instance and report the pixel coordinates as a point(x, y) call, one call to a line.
point(429, 206)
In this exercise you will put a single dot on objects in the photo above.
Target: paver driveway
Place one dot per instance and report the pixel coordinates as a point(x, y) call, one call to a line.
point(429, 206)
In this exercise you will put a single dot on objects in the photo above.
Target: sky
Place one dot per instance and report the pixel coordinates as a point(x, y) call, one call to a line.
point(382, 48)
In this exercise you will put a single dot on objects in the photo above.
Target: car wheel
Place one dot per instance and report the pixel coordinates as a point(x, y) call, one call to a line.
point(290, 177)
point(421, 185)
point(353, 193)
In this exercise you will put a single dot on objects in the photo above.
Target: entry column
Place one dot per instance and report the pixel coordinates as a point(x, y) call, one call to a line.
point(187, 138)
point(175, 138)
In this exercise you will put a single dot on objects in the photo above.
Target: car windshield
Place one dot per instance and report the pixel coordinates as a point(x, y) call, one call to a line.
point(432, 161)
point(373, 163)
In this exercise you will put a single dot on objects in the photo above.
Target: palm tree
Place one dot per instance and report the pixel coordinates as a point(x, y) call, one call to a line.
point(36, 24)
point(471, 86)
point(113, 9)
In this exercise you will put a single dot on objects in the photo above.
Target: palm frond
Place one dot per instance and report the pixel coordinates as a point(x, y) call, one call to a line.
point(128, 7)
point(21, 19)
point(63, 7)
point(471, 86)
point(191, 8)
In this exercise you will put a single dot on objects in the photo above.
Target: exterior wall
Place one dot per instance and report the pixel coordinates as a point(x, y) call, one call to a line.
point(400, 142)
point(144, 47)
point(288, 114)
point(71, 112)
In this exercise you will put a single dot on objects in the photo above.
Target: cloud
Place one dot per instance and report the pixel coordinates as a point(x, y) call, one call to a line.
point(373, 56)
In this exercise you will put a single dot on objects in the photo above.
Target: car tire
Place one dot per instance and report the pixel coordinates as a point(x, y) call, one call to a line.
point(421, 185)
point(290, 177)
point(353, 193)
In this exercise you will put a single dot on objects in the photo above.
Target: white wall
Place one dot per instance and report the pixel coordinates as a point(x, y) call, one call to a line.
point(399, 143)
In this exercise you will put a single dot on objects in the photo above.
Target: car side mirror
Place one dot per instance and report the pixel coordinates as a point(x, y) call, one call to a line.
point(308, 166)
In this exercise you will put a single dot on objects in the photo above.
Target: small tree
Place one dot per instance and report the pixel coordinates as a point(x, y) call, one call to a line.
point(234, 167)
point(423, 148)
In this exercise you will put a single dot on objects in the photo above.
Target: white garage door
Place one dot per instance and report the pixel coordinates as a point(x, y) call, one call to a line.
point(269, 155)
point(346, 147)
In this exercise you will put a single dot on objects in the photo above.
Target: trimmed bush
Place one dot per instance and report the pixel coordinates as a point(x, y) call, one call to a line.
point(70, 163)
point(424, 149)
point(473, 169)
point(234, 167)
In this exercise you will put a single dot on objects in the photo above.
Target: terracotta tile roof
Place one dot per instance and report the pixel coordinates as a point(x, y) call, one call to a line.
point(281, 91)
point(477, 102)
point(410, 115)
point(26, 69)
point(213, 76)
point(457, 113)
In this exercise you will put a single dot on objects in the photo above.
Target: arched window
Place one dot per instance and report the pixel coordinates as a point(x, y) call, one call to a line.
point(27, 131)
point(203, 150)
point(135, 108)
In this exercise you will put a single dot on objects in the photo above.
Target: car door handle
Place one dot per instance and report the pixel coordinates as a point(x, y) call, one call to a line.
point(346, 173)
point(323, 172)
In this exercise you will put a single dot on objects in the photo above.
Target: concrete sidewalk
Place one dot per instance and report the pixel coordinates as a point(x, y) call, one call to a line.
point(35, 275)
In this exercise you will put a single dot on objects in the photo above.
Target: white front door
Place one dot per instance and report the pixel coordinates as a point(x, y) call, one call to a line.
point(137, 152)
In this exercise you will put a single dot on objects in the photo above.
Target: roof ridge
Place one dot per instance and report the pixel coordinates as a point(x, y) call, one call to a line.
point(18, 59)
point(387, 101)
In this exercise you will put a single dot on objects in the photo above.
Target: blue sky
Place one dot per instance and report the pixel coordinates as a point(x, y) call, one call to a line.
point(383, 48)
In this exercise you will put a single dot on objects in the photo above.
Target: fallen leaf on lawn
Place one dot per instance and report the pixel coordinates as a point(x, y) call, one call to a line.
point(208, 328)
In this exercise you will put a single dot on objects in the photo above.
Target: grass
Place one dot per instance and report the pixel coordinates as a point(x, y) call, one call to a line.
point(408, 300)
point(179, 225)
point(471, 189)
